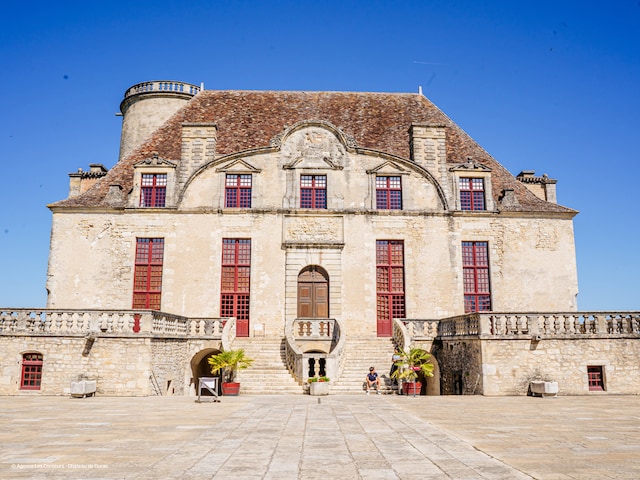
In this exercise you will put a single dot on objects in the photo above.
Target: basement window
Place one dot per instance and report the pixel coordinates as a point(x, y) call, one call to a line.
point(31, 371)
point(596, 378)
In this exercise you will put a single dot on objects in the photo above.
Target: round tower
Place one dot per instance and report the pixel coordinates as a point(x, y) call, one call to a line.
point(148, 105)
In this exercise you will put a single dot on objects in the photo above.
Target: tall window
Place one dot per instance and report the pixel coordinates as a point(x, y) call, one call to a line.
point(147, 277)
point(236, 274)
point(154, 190)
point(238, 191)
point(313, 191)
point(475, 264)
point(31, 371)
point(389, 283)
point(472, 194)
point(388, 193)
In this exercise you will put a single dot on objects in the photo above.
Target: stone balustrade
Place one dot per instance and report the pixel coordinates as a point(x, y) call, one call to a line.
point(313, 328)
point(162, 86)
point(54, 322)
point(563, 324)
point(420, 329)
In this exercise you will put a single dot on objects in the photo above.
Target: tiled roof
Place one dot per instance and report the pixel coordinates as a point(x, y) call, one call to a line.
point(250, 119)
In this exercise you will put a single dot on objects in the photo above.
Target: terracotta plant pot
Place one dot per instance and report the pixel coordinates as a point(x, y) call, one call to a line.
point(230, 388)
point(411, 388)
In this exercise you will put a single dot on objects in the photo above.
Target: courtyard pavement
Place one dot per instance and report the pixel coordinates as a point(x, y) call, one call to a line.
point(332, 437)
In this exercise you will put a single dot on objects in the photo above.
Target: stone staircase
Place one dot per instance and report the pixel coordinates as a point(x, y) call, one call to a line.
point(269, 374)
point(360, 354)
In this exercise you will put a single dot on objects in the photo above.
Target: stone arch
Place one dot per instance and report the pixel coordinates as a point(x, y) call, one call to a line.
point(200, 367)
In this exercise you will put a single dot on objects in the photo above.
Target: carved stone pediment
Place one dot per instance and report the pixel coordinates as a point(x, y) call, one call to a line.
point(470, 166)
point(155, 161)
point(238, 166)
point(313, 146)
point(388, 168)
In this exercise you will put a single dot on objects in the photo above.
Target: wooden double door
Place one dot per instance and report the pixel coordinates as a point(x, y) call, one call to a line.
point(313, 293)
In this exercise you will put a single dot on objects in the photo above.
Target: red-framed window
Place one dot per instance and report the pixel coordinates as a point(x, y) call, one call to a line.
point(236, 279)
point(313, 191)
point(147, 276)
point(472, 193)
point(389, 283)
point(475, 265)
point(154, 190)
point(596, 378)
point(31, 376)
point(237, 191)
point(388, 193)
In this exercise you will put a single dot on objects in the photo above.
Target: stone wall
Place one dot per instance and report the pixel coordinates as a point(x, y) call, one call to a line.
point(119, 365)
point(509, 365)
point(460, 362)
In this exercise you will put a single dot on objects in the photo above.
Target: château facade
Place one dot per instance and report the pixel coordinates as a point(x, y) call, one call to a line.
point(330, 223)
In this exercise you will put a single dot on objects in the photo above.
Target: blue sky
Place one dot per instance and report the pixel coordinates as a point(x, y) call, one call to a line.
point(550, 86)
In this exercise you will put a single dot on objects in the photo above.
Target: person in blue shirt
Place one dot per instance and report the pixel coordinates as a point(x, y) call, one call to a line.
point(373, 380)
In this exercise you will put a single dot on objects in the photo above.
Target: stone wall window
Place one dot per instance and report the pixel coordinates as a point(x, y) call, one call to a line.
point(475, 265)
point(236, 280)
point(147, 276)
point(313, 191)
point(237, 191)
point(31, 376)
point(390, 301)
point(388, 193)
point(153, 190)
point(472, 194)
point(596, 378)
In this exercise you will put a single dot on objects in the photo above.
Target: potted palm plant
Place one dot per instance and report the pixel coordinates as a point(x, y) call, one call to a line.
point(413, 365)
point(229, 362)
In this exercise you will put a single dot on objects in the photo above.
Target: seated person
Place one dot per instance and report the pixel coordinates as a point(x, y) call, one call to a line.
point(373, 380)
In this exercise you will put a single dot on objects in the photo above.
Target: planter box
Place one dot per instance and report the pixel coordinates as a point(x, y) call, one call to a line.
point(83, 388)
point(319, 388)
point(411, 388)
point(544, 389)
point(231, 389)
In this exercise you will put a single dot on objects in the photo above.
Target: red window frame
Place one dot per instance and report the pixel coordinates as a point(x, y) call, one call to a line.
point(147, 275)
point(472, 194)
point(313, 191)
point(236, 282)
point(238, 190)
point(31, 375)
point(153, 191)
point(389, 193)
point(477, 286)
point(390, 291)
point(595, 374)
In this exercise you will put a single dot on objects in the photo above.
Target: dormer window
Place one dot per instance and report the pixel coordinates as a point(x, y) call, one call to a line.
point(237, 190)
point(388, 193)
point(153, 190)
point(472, 194)
point(471, 182)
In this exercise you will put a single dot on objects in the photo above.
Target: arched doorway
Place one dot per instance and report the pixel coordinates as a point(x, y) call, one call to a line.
point(313, 293)
point(200, 368)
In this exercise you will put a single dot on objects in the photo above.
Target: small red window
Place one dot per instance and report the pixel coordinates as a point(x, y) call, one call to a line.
point(388, 193)
point(154, 190)
point(472, 194)
point(596, 378)
point(31, 371)
point(313, 191)
point(238, 191)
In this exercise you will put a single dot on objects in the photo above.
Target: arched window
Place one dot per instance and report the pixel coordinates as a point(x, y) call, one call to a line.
point(31, 371)
point(313, 293)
